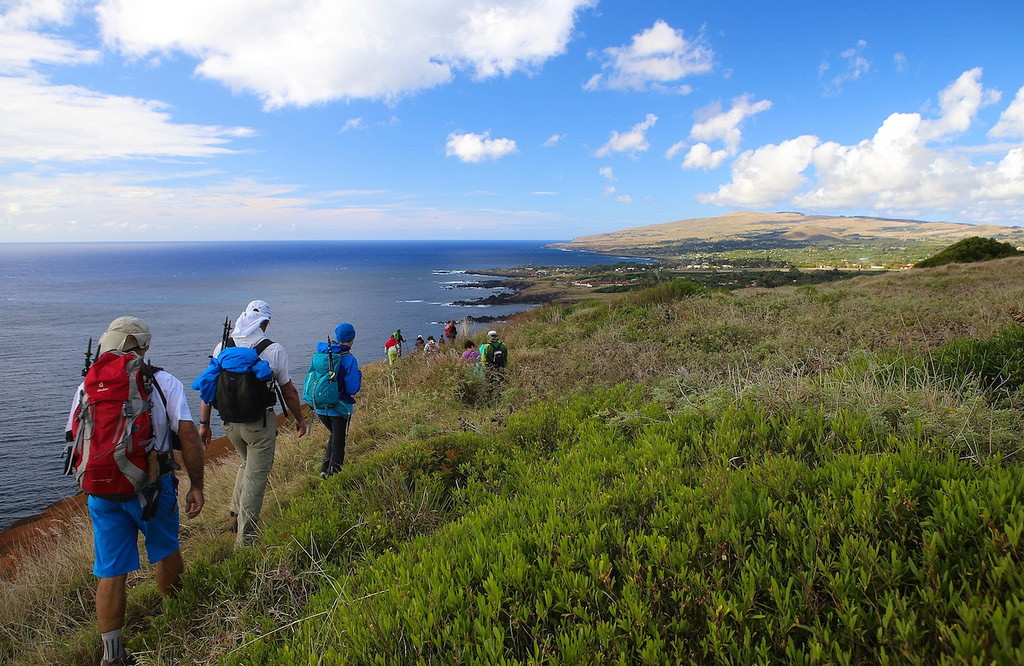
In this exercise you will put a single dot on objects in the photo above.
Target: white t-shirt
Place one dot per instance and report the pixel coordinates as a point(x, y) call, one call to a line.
point(275, 355)
point(177, 408)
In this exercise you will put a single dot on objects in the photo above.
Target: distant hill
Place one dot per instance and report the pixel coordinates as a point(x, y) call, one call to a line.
point(788, 227)
point(970, 250)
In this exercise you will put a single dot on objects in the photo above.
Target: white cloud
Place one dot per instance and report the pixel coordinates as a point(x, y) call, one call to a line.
point(763, 177)
point(204, 204)
point(475, 148)
point(725, 127)
point(553, 140)
point(607, 173)
point(959, 104)
point(353, 124)
point(719, 126)
point(674, 149)
point(1011, 122)
point(700, 156)
point(23, 44)
point(69, 123)
point(302, 52)
point(624, 199)
point(855, 65)
point(657, 57)
point(899, 60)
point(633, 141)
point(909, 165)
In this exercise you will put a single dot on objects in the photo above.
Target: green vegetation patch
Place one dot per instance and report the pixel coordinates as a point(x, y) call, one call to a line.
point(970, 250)
point(642, 535)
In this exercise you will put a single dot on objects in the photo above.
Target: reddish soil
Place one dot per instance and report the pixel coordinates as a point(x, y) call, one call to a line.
point(34, 533)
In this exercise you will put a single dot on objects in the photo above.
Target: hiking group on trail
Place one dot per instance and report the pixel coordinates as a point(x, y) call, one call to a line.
point(128, 418)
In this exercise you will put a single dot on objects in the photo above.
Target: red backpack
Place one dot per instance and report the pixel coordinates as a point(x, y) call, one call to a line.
point(113, 429)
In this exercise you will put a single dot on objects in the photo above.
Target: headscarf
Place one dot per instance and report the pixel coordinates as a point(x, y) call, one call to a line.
point(255, 314)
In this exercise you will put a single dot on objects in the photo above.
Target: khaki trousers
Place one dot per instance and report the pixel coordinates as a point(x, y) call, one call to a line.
point(255, 444)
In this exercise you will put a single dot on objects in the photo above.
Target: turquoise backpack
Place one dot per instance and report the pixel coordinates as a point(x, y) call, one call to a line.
point(320, 390)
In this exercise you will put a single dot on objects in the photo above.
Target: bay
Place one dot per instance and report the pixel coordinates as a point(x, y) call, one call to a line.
point(55, 296)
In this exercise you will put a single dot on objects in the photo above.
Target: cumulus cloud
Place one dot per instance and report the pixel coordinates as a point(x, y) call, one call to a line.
point(353, 124)
point(553, 140)
point(656, 59)
point(633, 141)
point(908, 165)
point(854, 65)
point(700, 156)
point(475, 148)
point(763, 177)
point(607, 173)
point(718, 126)
point(303, 52)
point(1011, 122)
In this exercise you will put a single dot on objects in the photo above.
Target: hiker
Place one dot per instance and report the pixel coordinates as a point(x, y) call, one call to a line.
point(117, 520)
point(470, 355)
point(450, 331)
point(393, 349)
point(333, 380)
point(494, 354)
point(399, 339)
point(255, 439)
point(419, 344)
point(431, 348)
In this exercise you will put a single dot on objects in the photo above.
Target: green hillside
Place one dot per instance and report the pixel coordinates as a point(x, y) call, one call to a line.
point(816, 474)
point(969, 250)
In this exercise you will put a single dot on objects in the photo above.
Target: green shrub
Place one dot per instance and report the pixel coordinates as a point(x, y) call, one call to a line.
point(970, 250)
point(666, 292)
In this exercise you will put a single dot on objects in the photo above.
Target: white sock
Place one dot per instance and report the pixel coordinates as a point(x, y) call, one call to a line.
point(113, 648)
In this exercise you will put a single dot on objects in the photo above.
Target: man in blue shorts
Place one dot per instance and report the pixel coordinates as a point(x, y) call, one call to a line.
point(116, 524)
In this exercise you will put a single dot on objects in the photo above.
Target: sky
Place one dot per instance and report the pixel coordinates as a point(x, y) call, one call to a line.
point(499, 119)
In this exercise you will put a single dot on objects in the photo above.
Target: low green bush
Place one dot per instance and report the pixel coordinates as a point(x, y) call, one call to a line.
point(653, 537)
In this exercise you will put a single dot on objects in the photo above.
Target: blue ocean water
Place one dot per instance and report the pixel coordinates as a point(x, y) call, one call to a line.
point(54, 297)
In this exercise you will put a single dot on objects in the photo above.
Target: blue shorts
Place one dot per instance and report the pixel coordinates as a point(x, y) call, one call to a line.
point(116, 527)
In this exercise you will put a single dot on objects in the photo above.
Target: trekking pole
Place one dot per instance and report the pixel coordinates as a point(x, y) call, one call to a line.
point(88, 358)
point(330, 360)
point(227, 331)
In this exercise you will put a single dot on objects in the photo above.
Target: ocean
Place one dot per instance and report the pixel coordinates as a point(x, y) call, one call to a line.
point(55, 296)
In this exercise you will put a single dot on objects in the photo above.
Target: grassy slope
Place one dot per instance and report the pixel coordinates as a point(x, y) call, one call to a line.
point(808, 474)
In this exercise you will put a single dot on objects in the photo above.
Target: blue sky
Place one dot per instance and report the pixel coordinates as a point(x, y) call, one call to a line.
point(504, 119)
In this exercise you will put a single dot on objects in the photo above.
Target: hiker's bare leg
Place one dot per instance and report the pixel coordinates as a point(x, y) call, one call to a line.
point(168, 573)
point(110, 602)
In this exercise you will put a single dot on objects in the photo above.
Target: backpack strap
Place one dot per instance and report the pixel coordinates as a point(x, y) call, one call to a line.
point(150, 371)
point(260, 347)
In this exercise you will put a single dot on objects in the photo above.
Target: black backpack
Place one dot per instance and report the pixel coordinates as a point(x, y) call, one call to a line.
point(498, 355)
point(241, 396)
